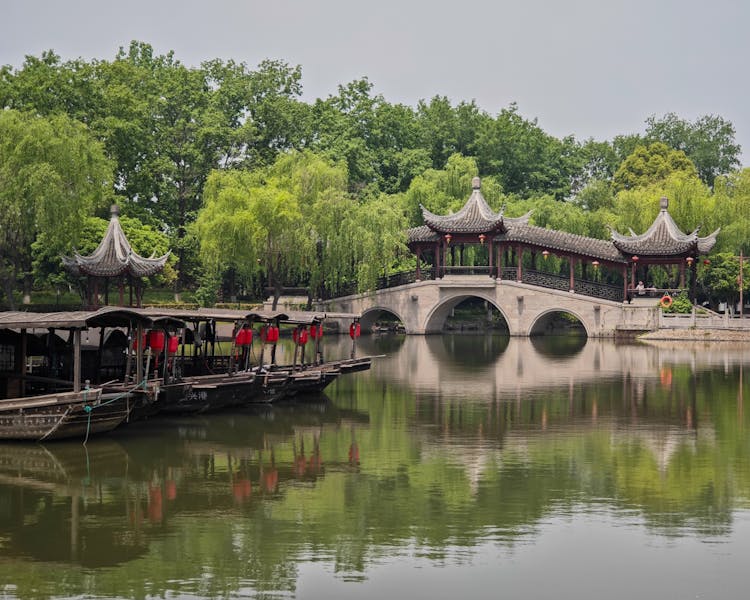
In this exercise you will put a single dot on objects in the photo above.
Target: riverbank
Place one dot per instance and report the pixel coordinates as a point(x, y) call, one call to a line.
point(696, 335)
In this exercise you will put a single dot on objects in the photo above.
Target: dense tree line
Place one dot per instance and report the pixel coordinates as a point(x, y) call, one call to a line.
point(251, 186)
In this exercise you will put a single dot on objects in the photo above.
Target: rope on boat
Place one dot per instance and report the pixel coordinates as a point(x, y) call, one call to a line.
point(88, 408)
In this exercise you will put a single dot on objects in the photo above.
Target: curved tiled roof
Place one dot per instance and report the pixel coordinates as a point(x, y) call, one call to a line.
point(663, 238)
point(563, 242)
point(114, 256)
point(476, 216)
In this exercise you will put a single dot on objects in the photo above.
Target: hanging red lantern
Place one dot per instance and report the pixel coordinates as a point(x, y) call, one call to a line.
point(156, 340)
point(173, 344)
point(448, 238)
point(689, 260)
point(482, 237)
point(545, 254)
point(595, 264)
point(144, 341)
point(302, 337)
point(244, 337)
point(635, 259)
point(354, 330)
point(273, 334)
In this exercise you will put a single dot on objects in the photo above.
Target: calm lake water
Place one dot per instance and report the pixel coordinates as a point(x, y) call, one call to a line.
point(458, 467)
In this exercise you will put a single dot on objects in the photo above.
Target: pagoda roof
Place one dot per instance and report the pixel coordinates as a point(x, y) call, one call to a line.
point(664, 238)
point(114, 256)
point(476, 216)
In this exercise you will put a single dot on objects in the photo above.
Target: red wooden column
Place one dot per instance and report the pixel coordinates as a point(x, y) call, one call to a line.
point(419, 258)
point(490, 252)
point(682, 275)
point(625, 282)
point(500, 261)
point(437, 260)
point(572, 263)
point(519, 268)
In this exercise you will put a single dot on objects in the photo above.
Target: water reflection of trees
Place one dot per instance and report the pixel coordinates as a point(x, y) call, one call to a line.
point(243, 497)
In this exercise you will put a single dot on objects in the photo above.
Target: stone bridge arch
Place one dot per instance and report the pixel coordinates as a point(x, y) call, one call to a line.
point(539, 322)
point(370, 315)
point(435, 318)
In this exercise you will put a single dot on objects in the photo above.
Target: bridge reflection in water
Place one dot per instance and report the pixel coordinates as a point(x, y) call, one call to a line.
point(452, 453)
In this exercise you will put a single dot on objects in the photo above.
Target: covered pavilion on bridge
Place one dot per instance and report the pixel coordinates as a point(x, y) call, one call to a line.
point(501, 243)
point(114, 260)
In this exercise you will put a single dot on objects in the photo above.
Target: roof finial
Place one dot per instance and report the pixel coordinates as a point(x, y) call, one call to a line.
point(664, 203)
point(476, 183)
point(114, 210)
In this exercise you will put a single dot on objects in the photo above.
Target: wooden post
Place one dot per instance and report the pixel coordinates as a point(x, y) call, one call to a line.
point(139, 353)
point(519, 268)
point(500, 262)
point(490, 255)
point(682, 275)
point(77, 360)
point(572, 263)
point(419, 256)
point(624, 282)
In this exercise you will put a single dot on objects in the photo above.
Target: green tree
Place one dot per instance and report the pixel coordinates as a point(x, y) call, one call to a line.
point(708, 142)
point(651, 164)
point(52, 175)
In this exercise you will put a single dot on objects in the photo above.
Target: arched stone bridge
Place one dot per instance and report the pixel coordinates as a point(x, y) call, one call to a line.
point(423, 306)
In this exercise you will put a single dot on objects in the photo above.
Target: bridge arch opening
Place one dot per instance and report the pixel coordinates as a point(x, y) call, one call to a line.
point(467, 314)
point(381, 320)
point(558, 323)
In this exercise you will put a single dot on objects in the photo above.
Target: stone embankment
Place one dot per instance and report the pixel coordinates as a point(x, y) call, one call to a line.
point(697, 335)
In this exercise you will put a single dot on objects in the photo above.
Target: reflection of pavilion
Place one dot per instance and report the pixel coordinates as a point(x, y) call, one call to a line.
point(426, 364)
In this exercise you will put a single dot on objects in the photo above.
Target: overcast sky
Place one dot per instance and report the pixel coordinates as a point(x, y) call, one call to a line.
point(590, 68)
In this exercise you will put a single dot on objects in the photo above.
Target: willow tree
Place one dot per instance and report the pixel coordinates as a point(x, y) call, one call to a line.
point(52, 175)
point(250, 226)
point(296, 222)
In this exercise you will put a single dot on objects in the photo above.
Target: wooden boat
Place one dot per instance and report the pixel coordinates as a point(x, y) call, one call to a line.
point(62, 415)
point(49, 401)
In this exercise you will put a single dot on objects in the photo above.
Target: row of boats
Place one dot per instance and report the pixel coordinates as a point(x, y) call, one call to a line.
point(89, 372)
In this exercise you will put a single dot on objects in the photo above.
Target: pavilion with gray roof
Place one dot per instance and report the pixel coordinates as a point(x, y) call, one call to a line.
point(444, 237)
point(114, 259)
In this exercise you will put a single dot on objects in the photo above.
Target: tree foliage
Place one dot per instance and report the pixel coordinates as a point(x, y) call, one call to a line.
point(52, 175)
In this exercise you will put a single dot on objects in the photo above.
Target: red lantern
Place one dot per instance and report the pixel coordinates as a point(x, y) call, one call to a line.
point(545, 254)
point(173, 344)
point(635, 259)
point(706, 262)
point(482, 237)
point(354, 330)
point(272, 335)
point(316, 331)
point(156, 340)
point(244, 337)
point(144, 342)
point(448, 238)
point(302, 338)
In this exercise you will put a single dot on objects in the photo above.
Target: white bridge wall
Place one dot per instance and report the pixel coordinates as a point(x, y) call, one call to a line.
point(423, 306)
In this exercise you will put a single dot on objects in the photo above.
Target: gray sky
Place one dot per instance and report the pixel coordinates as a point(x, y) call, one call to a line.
point(591, 68)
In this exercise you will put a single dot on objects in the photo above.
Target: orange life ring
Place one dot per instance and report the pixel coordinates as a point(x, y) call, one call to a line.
point(666, 301)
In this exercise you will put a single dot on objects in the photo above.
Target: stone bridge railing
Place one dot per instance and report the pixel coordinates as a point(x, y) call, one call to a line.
point(538, 278)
